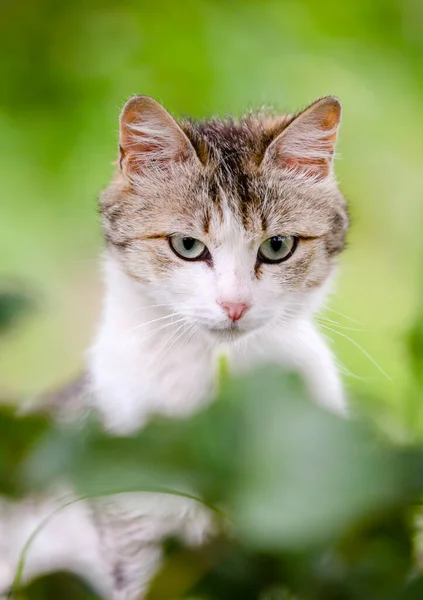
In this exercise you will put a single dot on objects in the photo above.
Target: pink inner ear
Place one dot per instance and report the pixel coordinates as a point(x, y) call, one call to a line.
point(319, 168)
point(316, 161)
point(150, 137)
point(307, 145)
point(141, 152)
point(140, 148)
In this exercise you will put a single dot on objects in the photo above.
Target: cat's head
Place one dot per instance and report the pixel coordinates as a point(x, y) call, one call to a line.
point(232, 224)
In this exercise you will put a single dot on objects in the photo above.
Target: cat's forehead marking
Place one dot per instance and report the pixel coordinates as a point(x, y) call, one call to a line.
point(231, 153)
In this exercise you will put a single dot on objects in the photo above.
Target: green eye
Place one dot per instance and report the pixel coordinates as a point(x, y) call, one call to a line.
point(188, 248)
point(277, 248)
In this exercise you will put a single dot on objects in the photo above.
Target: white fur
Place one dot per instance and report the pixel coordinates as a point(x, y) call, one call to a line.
point(67, 541)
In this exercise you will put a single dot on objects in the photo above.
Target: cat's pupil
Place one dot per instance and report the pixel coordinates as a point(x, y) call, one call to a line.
point(188, 243)
point(276, 243)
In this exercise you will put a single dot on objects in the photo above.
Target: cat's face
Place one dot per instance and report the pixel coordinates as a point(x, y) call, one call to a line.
point(234, 226)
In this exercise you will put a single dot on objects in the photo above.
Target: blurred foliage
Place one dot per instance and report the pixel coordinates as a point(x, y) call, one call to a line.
point(285, 469)
point(310, 506)
point(13, 305)
point(58, 586)
point(16, 438)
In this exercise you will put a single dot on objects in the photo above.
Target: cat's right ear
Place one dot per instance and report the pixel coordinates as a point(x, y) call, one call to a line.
point(307, 145)
point(150, 138)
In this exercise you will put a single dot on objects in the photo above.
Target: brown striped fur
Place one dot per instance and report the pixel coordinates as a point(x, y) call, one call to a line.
point(229, 170)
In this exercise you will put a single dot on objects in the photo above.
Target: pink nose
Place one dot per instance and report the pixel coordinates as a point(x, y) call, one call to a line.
point(234, 310)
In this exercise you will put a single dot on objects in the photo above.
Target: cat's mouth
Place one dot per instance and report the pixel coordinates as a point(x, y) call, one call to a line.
point(226, 335)
point(230, 332)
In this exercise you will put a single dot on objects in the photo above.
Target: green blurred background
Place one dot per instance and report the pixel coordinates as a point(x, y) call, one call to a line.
point(67, 68)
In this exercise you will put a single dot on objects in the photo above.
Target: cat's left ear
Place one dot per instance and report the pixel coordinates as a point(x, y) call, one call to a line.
point(150, 138)
point(307, 144)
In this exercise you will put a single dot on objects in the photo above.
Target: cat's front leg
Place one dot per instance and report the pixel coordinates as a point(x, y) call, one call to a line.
point(307, 351)
point(301, 348)
point(132, 528)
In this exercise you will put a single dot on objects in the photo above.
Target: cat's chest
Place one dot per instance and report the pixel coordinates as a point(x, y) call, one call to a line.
point(132, 379)
point(170, 369)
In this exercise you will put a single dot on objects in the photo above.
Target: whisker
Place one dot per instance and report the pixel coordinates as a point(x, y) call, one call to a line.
point(323, 320)
point(163, 327)
point(357, 345)
point(152, 321)
point(185, 331)
point(153, 306)
point(345, 371)
point(157, 354)
point(193, 330)
point(337, 312)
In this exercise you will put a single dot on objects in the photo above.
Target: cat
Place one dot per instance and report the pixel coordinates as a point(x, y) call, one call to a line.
point(221, 236)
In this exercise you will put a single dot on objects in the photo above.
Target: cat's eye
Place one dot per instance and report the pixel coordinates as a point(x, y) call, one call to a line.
point(188, 248)
point(277, 248)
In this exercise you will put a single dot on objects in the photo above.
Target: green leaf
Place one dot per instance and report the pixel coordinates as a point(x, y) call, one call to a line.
point(17, 437)
point(13, 305)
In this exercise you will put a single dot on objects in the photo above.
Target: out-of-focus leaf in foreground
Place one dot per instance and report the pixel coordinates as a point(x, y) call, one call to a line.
point(287, 474)
point(17, 436)
point(309, 474)
point(58, 586)
point(13, 305)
